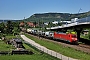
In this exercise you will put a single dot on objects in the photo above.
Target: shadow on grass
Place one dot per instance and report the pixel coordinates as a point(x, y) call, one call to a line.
point(34, 48)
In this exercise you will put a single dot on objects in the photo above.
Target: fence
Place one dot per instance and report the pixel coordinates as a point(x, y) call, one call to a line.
point(52, 53)
point(48, 51)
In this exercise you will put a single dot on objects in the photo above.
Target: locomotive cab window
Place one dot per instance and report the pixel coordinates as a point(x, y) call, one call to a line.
point(74, 36)
point(69, 35)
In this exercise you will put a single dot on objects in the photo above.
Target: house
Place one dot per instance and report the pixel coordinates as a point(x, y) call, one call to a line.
point(55, 22)
point(85, 32)
point(30, 24)
point(21, 24)
point(74, 20)
point(46, 23)
point(64, 22)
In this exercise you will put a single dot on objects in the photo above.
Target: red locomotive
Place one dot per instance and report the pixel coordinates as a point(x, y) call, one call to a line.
point(72, 38)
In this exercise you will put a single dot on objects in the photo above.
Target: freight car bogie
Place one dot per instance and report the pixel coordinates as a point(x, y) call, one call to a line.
point(75, 42)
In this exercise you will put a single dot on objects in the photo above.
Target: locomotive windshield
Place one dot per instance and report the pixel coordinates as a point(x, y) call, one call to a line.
point(74, 36)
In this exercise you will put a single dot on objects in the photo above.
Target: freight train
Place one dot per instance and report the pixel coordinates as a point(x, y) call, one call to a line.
point(69, 37)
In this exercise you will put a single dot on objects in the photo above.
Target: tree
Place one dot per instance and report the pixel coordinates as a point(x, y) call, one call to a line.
point(89, 34)
point(9, 27)
point(15, 24)
point(2, 26)
point(35, 23)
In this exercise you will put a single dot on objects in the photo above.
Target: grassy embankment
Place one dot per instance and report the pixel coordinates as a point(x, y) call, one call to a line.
point(61, 49)
point(4, 46)
point(36, 56)
point(85, 37)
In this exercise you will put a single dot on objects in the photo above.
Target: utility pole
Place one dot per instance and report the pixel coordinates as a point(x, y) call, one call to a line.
point(79, 10)
point(24, 18)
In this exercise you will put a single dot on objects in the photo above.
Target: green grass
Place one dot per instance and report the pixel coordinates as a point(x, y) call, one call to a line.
point(85, 37)
point(61, 49)
point(31, 48)
point(36, 56)
point(28, 57)
point(4, 46)
point(10, 36)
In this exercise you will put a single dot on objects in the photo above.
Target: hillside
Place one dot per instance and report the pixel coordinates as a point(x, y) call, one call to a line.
point(55, 16)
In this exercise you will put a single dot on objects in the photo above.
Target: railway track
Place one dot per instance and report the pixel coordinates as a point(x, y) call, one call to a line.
point(81, 47)
point(84, 46)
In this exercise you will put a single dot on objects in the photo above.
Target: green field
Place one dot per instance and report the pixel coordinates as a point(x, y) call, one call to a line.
point(61, 49)
point(10, 36)
point(27, 57)
point(4, 46)
point(36, 56)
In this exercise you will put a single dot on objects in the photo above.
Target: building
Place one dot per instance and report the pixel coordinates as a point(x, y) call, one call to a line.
point(30, 24)
point(21, 24)
point(85, 32)
point(55, 22)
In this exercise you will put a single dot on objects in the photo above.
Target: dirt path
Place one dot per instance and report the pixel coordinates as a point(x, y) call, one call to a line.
point(44, 49)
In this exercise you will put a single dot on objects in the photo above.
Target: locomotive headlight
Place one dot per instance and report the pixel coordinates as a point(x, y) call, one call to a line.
point(72, 38)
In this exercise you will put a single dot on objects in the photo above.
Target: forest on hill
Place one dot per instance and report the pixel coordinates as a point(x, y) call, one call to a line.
point(48, 17)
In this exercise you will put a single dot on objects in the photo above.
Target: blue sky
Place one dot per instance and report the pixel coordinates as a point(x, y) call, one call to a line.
point(18, 9)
